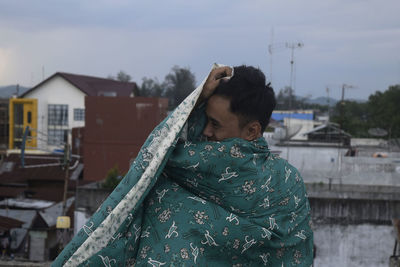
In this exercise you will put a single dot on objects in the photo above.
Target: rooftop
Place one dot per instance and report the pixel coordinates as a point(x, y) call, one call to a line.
point(94, 86)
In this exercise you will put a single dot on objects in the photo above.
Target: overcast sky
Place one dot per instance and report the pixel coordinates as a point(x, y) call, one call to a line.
point(356, 42)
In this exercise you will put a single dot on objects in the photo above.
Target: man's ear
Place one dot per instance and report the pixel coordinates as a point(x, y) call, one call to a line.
point(253, 131)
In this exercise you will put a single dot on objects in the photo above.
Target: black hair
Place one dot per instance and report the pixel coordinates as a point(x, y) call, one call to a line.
point(250, 97)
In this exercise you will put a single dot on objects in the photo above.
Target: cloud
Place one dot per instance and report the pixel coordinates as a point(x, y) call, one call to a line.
point(344, 41)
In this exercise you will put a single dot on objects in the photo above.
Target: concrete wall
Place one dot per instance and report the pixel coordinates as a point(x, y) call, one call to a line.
point(323, 162)
point(353, 245)
point(311, 158)
point(368, 142)
point(90, 197)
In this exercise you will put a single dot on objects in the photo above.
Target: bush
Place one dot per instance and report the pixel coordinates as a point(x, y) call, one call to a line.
point(112, 179)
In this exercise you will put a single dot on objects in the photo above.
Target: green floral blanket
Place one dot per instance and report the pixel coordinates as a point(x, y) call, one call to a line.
point(189, 202)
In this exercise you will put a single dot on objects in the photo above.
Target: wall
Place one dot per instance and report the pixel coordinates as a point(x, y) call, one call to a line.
point(353, 200)
point(88, 199)
point(353, 245)
point(116, 128)
point(311, 158)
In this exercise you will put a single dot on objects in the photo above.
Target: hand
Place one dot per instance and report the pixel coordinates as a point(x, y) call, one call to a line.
point(213, 80)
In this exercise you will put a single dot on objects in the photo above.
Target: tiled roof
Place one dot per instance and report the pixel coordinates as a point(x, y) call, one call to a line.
point(94, 86)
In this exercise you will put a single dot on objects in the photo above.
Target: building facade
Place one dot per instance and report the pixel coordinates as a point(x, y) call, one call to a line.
point(61, 104)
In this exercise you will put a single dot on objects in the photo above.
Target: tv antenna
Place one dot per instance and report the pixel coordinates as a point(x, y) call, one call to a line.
point(292, 47)
point(272, 48)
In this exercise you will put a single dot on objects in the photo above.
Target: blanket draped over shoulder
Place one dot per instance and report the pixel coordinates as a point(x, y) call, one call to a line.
point(190, 202)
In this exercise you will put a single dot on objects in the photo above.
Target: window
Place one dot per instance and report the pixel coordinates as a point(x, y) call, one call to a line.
point(57, 128)
point(58, 115)
point(57, 136)
point(79, 114)
point(107, 93)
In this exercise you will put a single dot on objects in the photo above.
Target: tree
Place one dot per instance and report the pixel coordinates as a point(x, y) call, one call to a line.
point(352, 117)
point(283, 101)
point(380, 111)
point(151, 88)
point(178, 84)
point(122, 76)
point(384, 110)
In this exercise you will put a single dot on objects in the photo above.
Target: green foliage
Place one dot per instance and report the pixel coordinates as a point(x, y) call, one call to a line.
point(353, 117)
point(112, 179)
point(283, 101)
point(151, 88)
point(178, 84)
point(382, 110)
point(122, 76)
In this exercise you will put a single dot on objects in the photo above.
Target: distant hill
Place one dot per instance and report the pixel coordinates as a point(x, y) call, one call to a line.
point(10, 90)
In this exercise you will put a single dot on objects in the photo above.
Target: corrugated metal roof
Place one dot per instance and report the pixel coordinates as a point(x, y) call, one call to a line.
point(279, 115)
point(93, 86)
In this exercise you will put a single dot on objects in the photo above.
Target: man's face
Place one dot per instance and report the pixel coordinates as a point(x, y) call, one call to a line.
point(222, 123)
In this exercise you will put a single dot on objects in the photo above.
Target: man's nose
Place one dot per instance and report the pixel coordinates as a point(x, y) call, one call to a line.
point(208, 130)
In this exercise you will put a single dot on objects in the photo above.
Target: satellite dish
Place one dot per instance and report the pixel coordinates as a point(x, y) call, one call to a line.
point(377, 132)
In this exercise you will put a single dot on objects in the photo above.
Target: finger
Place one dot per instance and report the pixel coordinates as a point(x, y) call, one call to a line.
point(220, 72)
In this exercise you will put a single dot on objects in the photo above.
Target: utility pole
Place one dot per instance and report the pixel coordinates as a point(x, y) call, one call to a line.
point(66, 166)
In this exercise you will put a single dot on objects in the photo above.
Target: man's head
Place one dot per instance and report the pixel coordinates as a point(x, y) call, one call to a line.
point(240, 107)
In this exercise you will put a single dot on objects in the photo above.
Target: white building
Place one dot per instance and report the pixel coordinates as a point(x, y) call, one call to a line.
point(61, 104)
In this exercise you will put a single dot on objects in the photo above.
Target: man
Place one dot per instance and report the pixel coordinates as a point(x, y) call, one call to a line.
point(263, 214)
point(224, 201)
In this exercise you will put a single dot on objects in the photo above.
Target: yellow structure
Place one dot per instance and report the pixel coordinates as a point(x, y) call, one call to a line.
point(63, 222)
point(23, 113)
